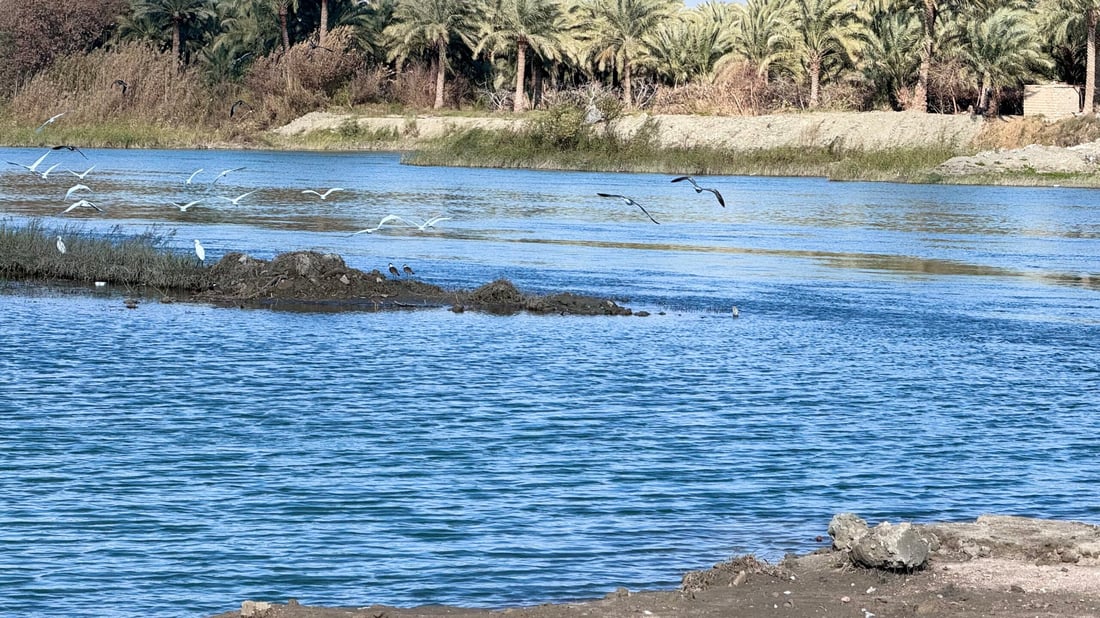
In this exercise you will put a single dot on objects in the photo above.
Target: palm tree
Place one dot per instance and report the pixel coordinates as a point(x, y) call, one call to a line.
point(762, 36)
point(283, 8)
point(429, 25)
point(534, 25)
point(1089, 10)
point(827, 29)
point(620, 28)
point(1000, 49)
point(887, 58)
point(176, 13)
point(687, 48)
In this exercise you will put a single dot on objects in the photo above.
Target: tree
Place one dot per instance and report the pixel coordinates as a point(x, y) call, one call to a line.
point(283, 8)
point(174, 13)
point(535, 25)
point(826, 29)
point(620, 29)
point(1089, 11)
point(1000, 49)
point(762, 36)
point(687, 48)
point(889, 55)
point(429, 25)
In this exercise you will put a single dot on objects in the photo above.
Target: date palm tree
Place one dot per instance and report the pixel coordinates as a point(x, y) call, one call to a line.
point(762, 36)
point(174, 13)
point(618, 35)
point(687, 48)
point(826, 29)
point(283, 8)
point(429, 26)
point(1002, 48)
point(535, 25)
point(889, 56)
point(1089, 12)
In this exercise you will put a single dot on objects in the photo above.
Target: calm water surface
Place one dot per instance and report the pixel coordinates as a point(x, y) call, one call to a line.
point(905, 352)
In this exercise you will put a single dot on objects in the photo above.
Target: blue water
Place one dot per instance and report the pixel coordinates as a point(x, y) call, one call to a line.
point(907, 352)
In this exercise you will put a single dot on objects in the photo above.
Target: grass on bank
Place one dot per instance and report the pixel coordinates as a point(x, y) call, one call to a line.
point(30, 252)
point(560, 140)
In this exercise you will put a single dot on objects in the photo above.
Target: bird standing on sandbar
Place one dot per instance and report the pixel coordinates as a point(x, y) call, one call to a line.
point(631, 202)
point(699, 189)
point(200, 251)
point(407, 270)
point(61, 245)
point(393, 271)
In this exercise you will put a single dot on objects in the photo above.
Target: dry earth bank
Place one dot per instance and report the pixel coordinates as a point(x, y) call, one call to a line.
point(1011, 567)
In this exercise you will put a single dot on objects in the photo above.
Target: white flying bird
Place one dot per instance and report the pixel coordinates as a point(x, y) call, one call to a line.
point(384, 221)
point(193, 174)
point(236, 200)
point(75, 188)
point(61, 245)
point(48, 121)
point(324, 195)
point(82, 174)
point(427, 224)
point(224, 172)
point(81, 204)
point(199, 251)
point(184, 207)
point(33, 166)
point(46, 174)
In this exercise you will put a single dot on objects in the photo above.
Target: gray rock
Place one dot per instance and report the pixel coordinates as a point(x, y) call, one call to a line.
point(892, 547)
point(846, 529)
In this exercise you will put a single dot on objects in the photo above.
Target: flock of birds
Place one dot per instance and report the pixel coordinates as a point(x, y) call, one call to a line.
point(200, 251)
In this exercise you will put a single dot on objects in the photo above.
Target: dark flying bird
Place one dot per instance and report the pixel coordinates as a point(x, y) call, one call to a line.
point(70, 149)
point(699, 189)
point(238, 103)
point(631, 202)
point(313, 45)
point(394, 271)
point(119, 82)
point(407, 270)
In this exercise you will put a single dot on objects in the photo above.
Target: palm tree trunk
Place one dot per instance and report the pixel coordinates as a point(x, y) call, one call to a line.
point(1090, 62)
point(628, 100)
point(983, 94)
point(920, 95)
point(520, 102)
point(282, 26)
point(176, 52)
point(440, 72)
point(815, 81)
point(324, 23)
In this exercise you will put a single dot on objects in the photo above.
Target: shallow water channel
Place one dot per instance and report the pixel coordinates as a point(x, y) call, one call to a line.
point(902, 351)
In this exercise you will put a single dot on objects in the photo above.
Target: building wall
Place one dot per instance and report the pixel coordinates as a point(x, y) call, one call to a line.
point(1051, 100)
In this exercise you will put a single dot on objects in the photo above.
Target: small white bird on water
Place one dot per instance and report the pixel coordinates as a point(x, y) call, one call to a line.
point(236, 200)
point(200, 251)
point(61, 245)
point(75, 188)
point(323, 196)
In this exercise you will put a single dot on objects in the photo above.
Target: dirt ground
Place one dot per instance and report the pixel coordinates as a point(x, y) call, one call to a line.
point(307, 280)
point(1011, 567)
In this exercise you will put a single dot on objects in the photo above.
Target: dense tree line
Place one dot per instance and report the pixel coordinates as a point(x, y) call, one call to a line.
point(932, 55)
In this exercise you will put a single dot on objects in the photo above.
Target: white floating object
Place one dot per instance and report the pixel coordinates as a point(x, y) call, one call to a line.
point(100, 284)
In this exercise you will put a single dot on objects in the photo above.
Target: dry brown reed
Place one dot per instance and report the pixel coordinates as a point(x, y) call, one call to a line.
point(83, 86)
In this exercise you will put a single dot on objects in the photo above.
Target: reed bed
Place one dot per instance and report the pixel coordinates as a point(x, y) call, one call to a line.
point(31, 252)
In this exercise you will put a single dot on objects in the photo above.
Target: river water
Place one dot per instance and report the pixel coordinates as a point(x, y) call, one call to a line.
point(924, 353)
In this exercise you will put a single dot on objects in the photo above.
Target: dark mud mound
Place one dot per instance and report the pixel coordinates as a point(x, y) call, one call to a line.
point(311, 280)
